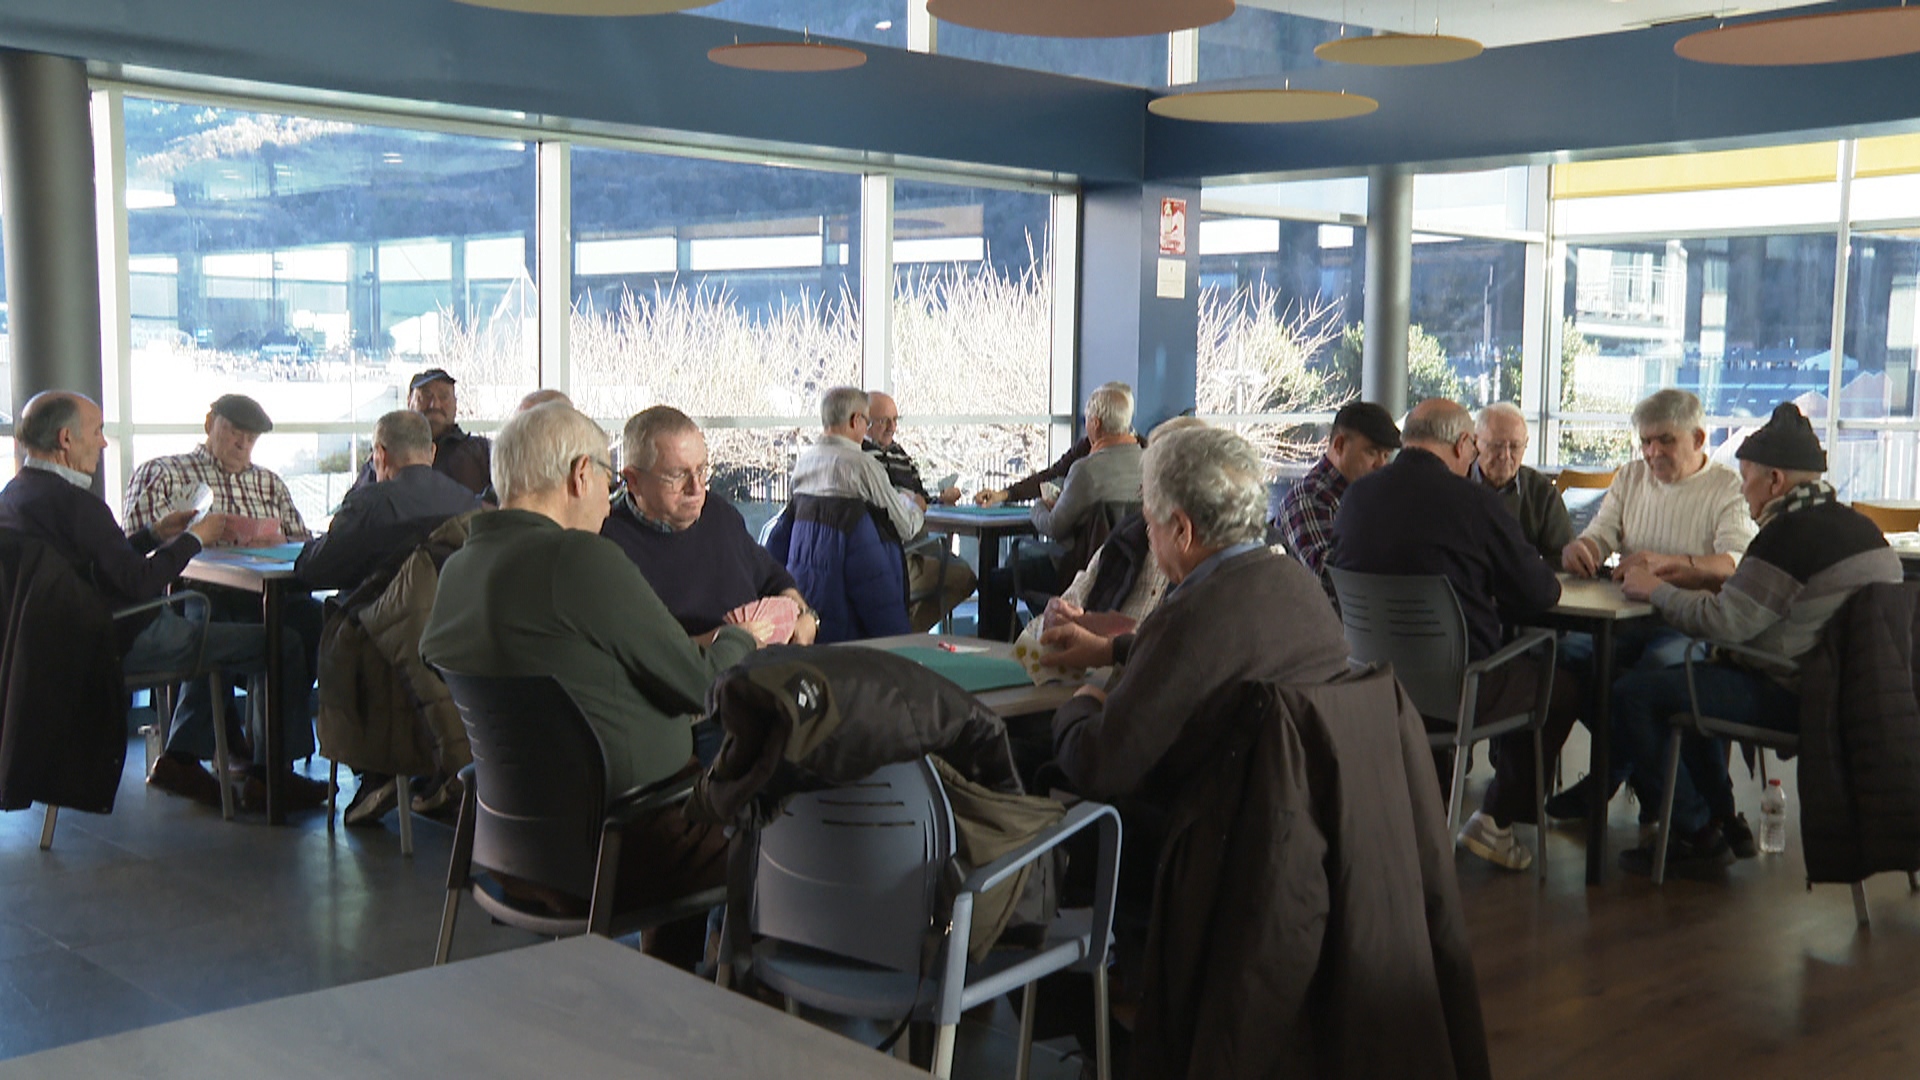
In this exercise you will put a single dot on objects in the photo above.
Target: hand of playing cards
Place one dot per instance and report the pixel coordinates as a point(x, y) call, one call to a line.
point(776, 613)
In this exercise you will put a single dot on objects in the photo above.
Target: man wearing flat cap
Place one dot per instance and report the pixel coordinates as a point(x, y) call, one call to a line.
point(1363, 439)
point(1811, 553)
point(241, 489)
point(456, 454)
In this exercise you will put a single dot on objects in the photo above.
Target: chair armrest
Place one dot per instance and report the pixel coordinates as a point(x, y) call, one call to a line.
point(1520, 646)
point(1751, 653)
point(1004, 867)
point(155, 605)
point(630, 805)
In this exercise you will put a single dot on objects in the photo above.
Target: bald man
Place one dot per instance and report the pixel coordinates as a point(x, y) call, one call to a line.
point(1422, 515)
point(924, 557)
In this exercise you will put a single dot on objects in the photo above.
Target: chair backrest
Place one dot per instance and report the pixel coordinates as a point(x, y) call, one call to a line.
point(1093, 532)
point(540, 778)
point(1890, 518)
point(1413, 622)
point(1583, 478)
point(856, 871)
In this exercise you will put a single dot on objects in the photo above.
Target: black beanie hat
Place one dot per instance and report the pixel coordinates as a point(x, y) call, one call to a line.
point(1787, 442)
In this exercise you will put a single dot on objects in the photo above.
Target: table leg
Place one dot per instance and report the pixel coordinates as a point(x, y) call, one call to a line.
point(990, 598)
point(1600, 764)
point(272, 749)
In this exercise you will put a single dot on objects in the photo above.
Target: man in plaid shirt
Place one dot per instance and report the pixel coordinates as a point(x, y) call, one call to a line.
point(225, 464)
point(241, 490)
point(1363, 438)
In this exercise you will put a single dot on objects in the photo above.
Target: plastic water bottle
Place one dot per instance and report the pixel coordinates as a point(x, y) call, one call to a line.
point(1773, 818)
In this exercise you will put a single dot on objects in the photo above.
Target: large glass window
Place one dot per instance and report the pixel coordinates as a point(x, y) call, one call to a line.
point(314, 264)
point(972, 328)
point(723, 289)
point(1468, 316)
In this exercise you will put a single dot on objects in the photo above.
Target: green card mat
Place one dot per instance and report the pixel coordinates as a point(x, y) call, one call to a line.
point(988, 513)
point(277, 553)
point(973, 672)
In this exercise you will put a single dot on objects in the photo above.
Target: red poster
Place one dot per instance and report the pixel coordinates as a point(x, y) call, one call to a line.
point(1173, 226)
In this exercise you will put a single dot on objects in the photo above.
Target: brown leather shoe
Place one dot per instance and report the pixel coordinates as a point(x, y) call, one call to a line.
point(186, 778)
point(300, 793)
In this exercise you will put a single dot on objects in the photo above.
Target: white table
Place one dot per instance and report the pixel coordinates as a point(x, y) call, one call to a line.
point(580, 1008)
point(1594, 605)
point(271, 580)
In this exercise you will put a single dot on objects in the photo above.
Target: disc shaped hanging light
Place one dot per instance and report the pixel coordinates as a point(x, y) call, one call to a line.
point(1835, 37)
point(1398, 50)
point(1081, 18)
point(787, 56)
point(1262, 106)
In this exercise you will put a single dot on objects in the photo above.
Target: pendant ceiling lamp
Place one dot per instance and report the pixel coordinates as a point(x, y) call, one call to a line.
point(787, 56)
point(1081, 18)
point(591, 7)
point(1831, 38)
point(1284, 106)
point(1399, 50)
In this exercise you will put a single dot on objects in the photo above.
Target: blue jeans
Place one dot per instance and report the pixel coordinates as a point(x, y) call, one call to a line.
point(167, 645)
point(1702, 788)
point(1641, 645)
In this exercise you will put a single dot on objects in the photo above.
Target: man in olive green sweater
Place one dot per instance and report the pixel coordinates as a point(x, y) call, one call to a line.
point(536, 590)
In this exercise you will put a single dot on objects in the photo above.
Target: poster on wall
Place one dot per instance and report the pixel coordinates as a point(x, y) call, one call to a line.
point(1173, 226)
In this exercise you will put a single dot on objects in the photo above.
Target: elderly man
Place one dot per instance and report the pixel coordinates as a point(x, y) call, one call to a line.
point(1811, 553)
point(224, 463)
point(1674, 512)
point(408, 501)
point(835, 464)
point(51, 499)
point(1501, 433)
point(694, 550)
point(1028, 487)
point(1363, 439)
point(1204, 505)
point(464, 457)
point(1422, 515)
point(537, 591)
point(927, 562)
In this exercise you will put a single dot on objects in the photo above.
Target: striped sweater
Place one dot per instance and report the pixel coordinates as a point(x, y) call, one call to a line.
point(1797, 573)
point(1704, 514)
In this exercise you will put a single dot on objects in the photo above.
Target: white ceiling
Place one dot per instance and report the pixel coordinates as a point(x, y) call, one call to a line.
point(1513, 22)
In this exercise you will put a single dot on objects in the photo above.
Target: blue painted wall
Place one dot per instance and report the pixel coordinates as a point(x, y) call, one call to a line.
point(1127, 333)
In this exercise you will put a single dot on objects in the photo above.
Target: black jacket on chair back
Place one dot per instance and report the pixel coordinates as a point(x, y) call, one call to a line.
point(63, 708)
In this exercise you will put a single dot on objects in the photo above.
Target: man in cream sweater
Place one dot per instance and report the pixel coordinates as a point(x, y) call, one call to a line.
point(1675, 514)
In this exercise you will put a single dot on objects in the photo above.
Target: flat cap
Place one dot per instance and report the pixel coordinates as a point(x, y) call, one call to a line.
point(430, 375)
point(1373, 421)
point(242, 412)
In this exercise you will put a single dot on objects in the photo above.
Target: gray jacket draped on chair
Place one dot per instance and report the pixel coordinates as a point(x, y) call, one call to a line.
point(1306, 919)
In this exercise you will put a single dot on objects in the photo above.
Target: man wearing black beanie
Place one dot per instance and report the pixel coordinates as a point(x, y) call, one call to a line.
point(1811, 553)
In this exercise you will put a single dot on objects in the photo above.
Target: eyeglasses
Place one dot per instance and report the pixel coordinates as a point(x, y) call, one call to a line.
point(679, 478)
point(883, 421)
point(1495, 449)
point(613, 474)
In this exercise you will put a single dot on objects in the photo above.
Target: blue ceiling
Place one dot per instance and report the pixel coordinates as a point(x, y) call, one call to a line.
point(1621, 91)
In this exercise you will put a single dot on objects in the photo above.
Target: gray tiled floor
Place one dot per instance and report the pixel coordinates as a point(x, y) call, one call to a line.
point(161, 910)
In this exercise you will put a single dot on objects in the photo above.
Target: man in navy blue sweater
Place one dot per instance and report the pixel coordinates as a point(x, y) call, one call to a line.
point(694, 551)
point(61, 436)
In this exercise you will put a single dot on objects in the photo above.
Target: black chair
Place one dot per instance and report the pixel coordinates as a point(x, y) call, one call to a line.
point(536, 807)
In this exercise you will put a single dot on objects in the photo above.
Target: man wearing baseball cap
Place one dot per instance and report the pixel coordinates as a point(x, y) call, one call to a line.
point(1363, 439)
point(1811, 553)
point(463, 457)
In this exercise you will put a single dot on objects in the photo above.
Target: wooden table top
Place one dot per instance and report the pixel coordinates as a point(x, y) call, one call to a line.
point(580, 1008)
point(1011, 701)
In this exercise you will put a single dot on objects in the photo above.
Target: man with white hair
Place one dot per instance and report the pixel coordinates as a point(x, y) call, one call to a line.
point(1205, 505)
point(1680, 516)
point(835, 464)
point(1029, 487)
point(1530, 496)
point(1421, 515)
point(537, 591)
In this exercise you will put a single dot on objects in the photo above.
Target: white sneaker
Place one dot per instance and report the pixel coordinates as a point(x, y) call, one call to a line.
point(1494, 844)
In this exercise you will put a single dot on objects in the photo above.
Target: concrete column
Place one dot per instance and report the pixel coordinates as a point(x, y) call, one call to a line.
point(52, 253)
point(1128, 331)
point(1383, 362)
